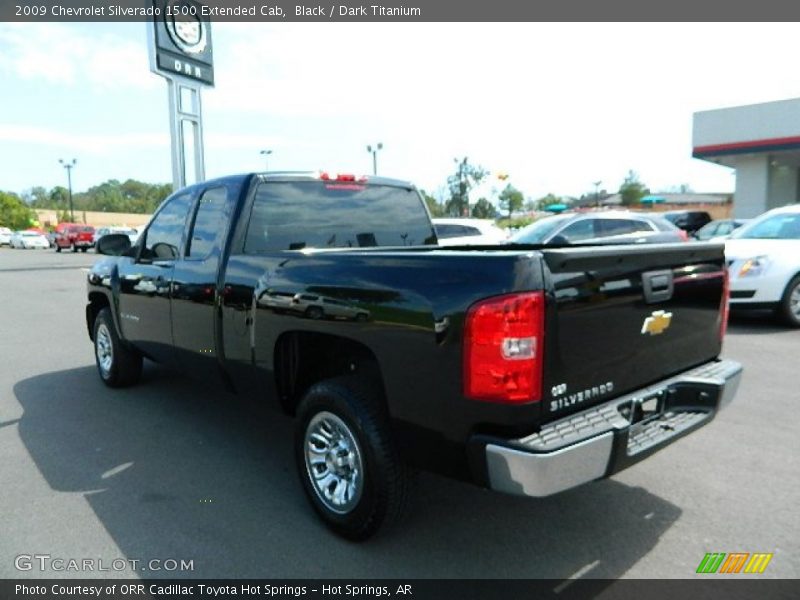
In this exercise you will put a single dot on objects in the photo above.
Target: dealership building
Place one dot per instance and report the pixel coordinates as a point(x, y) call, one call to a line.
point(760, 141)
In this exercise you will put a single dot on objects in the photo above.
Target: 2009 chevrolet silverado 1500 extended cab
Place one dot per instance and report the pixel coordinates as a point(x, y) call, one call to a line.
point(524, 369)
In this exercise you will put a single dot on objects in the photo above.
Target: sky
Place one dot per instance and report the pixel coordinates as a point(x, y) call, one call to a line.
point(555, 106)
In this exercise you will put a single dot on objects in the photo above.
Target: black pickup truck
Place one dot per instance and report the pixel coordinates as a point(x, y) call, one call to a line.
point(524, 369)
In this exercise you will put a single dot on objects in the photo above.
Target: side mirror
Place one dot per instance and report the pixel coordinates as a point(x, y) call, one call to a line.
point(558, 240)
point(114, 244)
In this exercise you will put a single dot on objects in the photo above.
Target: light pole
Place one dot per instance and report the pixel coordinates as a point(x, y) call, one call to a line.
point(265, 154)
point(374, 152)
point(597, 193)
point(69, 166)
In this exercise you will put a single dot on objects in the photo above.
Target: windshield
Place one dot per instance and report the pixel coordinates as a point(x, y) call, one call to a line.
point(537, 232)
point(785, 226)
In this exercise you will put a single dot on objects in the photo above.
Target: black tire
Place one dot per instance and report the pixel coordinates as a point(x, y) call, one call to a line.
point(58, 248)
point(125, 365)
point(385, 481)
point(315, 312)
point(74, 248)
point(84, 249)
point(789, 309)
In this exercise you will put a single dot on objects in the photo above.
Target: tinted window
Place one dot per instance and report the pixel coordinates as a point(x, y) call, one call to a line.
point(609, 227)
point(579, 230)
point(164, 234)
point(315, 214)
point(209, 222)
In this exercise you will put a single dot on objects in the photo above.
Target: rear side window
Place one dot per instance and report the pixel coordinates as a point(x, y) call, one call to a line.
point(210, 220)
point(446, 230)
point(164, 235)
point(317, 214)
point(610, 227)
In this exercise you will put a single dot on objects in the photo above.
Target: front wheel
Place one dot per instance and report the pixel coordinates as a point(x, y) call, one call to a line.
point(117, 364)
point(350, 470)
point(790, 303)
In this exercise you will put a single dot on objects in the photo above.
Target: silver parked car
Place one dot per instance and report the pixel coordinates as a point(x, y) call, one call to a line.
point(612, 227)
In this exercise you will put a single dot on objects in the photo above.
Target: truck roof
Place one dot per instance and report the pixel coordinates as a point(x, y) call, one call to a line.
point(311, 176)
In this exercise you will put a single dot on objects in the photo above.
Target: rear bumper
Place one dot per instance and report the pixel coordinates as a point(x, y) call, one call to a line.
point(607, 438)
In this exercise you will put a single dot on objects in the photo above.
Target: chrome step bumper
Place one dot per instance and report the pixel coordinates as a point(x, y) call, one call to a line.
point(604, 439)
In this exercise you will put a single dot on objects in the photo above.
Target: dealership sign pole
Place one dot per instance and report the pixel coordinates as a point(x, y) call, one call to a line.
point(179, 42)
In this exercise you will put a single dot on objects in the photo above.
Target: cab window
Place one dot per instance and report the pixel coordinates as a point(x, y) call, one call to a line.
point(163, 237)
point(210, 219)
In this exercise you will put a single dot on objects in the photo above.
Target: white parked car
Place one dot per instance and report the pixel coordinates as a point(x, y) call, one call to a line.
point(460, 232)
point(5, 236)
point(764, 263)
point(129, 231)
point(29, 239)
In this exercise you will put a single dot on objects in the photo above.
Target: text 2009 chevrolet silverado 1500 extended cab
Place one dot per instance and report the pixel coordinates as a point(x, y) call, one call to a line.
point(524, 369)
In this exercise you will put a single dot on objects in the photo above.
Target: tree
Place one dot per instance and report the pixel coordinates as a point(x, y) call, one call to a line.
point(436, 209)
point(14, 213)
point(465, 178)
point(484, 209)
point(545, 201)
point(632, 190)
point(511, 199)
point(58, 197)
point(36, 197)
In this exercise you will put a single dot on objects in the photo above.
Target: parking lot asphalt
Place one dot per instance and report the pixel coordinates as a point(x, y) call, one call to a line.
point(170, 470)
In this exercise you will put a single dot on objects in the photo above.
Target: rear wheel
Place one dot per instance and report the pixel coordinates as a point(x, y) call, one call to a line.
point(790, 303)
point(314, 312)
point(117, 364)
point(350, 470)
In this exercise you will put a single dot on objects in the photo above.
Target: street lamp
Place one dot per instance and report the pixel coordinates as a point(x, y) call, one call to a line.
point(266, 154)
point(597, 193)
point(374, 152)
point(69, 166)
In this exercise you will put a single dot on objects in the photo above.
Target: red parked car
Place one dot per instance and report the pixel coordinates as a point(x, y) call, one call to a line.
point(75, 236)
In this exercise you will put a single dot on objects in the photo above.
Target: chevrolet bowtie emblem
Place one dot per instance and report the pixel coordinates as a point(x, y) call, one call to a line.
point(657, 322)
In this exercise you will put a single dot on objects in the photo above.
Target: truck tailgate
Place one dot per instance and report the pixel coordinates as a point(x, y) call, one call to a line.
point(622, 317)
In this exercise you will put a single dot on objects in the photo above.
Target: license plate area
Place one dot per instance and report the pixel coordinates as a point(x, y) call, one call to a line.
point(641, 410)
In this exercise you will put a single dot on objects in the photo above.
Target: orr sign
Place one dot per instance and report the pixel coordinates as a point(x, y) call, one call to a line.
point(181, 41)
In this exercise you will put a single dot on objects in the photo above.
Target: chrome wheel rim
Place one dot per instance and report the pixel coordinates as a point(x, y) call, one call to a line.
point(104, 349)
point(794, 302)
point(333, 462)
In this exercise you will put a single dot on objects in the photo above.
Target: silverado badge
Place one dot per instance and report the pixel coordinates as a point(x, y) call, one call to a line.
point(657, 322)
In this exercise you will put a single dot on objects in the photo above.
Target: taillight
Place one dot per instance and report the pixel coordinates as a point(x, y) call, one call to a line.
point(503, 347)
point(724, 305)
